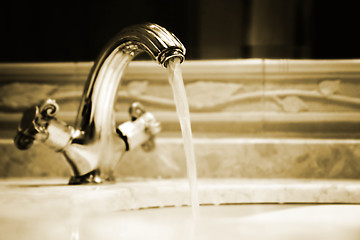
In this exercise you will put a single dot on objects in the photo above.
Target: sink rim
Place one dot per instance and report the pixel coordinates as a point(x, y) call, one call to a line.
point(129, 194)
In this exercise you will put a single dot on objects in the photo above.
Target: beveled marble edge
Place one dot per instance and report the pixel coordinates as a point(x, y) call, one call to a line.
point(42, 198)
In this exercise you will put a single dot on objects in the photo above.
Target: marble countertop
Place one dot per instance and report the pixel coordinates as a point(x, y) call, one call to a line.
point(22, 196)
point(51, 209)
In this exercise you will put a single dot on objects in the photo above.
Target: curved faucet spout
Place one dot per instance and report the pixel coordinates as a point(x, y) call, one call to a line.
point(95, 123)
point(154, 39)
point(101, 87)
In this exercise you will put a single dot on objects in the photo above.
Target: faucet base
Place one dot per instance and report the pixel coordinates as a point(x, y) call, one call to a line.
point(92, 177)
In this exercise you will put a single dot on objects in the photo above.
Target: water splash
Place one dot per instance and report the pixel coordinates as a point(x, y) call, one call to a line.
point(182, 109)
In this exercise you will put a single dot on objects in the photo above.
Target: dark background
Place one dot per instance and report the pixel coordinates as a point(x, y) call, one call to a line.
point(40, 31)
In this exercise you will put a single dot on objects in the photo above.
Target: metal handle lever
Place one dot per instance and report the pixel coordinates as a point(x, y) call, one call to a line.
point(141, 130)
point(152, 126)
point(34, 123)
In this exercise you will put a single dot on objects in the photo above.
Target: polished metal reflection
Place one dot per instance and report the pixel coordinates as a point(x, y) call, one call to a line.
point(96, 144)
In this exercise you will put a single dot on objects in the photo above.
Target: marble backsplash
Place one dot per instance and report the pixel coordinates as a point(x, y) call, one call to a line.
point(251, 118)
point(216, 158)
point(256, 98)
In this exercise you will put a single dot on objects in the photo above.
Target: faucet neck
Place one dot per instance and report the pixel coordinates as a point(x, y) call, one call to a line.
point(96, 113)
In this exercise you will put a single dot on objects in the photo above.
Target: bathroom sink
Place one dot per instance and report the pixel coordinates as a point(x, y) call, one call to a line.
point(245, 221)
point(158, 209)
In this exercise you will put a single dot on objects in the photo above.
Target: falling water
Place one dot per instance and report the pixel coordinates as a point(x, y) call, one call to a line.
point(182, 109)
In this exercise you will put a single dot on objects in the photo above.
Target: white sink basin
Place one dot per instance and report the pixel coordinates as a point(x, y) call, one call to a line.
point(254, 221)
point(247, 221)
point(154, 209)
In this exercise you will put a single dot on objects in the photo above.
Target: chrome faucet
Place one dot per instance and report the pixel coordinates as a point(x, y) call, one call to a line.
point(95, 144)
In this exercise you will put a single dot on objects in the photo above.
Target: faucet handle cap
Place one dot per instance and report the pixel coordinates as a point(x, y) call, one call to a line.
point(48, 108)
point(136, 110)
